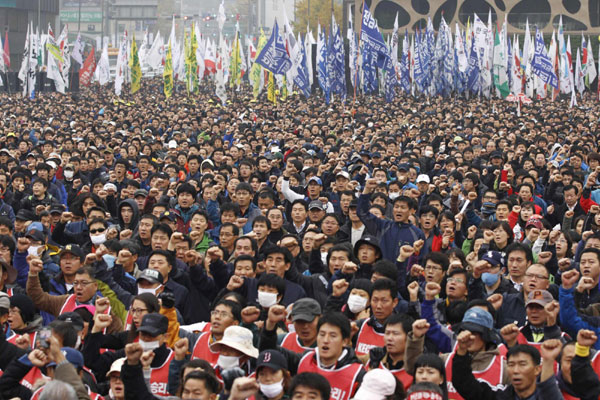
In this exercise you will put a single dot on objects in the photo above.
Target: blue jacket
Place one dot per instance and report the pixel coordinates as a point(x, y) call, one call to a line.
point(392, 235)
point(570, 320)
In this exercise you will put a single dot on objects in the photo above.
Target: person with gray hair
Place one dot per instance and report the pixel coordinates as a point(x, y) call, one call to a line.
point(58, 390)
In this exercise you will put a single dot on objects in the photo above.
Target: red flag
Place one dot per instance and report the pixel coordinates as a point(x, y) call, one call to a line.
point(87, 70)
point(6, 52)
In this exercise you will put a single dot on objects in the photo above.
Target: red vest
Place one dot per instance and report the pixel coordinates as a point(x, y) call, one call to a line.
point(69, 305)
point(292, 343)
point(342, 380)
point(367, 339)
point(10, 292)
point(521, 339)
point(492, 375)
point(202, 350)
point(159, 377)
point(32, 376)
point(128, 320)
point(401, 374)
point(14, 337)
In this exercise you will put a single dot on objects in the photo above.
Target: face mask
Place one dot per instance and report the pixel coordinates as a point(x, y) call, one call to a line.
point(394, 195)
point(147, 346)
point(68, 174)
point(489, 279)
point(267, 300)
point(78, 343)
point(272, 390)
point(356, 303)
point(98, 239)
point(324, 258)
point(34, 251)
point(109, 259)
point(151, 291)
point(226, 362)
point(428, 153)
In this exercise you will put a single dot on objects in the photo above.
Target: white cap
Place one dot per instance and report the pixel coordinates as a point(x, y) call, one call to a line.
point(238, 338)
point(423, 178)
point(52, 164)
point(377, 384)
point(343, 174)
point(116, 366)
point(109, 186)
point(172, 144)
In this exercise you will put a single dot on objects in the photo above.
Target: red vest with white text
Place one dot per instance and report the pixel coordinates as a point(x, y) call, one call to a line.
point(492, 375)
point(202, 350)
point(292, 343)
point(159, 377)
point(367, 339)
point(342, 380)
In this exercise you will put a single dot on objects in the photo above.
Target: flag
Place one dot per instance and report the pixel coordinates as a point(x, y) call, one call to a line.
point(404, 65)
point(236, 62)
point(322, 63)
point(541, 64)
point(121, 65)
point(338, 84)
point(516, 71)
point(274, 56)
point(221, 18)
point(86, 72)
point(102, 73)
point(23, 70)
point(309, 40)
point(371, 38)
point(459, 46)
point(54, 59)
point(500, 75)
point(210, 58)
point(271, 96)
point(579, 77)
point(565, 65)
point(155, 55)
point(78, 48)
point(473, 82)
point(353, 49)
point(256, 70)
point(200, 53)
point(6, 53)
point(220, 79)
point(591, 72)
point(168, 73)
point(301, 79)
point(63, 44)
point(135, 67)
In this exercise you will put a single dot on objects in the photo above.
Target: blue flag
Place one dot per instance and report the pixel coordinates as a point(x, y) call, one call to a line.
point(370, 83)
point(419, 72)
point(404, 67)
point(473, 83)
point(301, 79)
point(541, 64)
point(274, 57)
point(338, 84)
point(371, 38)
point(322, 62)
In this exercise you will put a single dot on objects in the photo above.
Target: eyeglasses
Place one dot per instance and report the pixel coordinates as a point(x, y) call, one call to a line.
point(457, 280)
point(99, 230)
point(82, 283)
point(138, 310)
point(433, 268)
point(222, 314)
point(536, 276)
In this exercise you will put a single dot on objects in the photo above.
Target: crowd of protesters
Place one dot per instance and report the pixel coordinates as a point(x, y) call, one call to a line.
point(424, 248)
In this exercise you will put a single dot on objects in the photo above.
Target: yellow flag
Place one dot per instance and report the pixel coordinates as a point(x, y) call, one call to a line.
point(168, 73)
point(284, 91)
point(135, 67)
point(271, 96)
point(236, 64)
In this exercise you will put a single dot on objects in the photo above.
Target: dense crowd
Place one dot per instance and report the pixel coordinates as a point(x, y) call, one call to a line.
point(424, 248)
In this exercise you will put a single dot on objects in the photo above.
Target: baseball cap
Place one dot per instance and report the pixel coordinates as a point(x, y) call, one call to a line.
point(423, 178)
point(477, 320)
point(116, 366)
point(73, 249)
point(140, 192)
point(493, 257)
point(343, 174)
point(110, 186)
point(154, 324)
point(495, 154)
point(305, 309)
point(73, 318)
point(35, 233)
point(367, 239)
point(317, 204)
point(172, 144)
point(73, 356)
point(151, 276)
point(272, 359)
point(404, 167)
point(25, 215)
point(377, 384)
point(535, 222)
point(539, 297)
point(169, 215)
point(315, 179)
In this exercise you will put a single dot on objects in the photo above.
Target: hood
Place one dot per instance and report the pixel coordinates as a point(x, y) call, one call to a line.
point(33, 326)
point(136, 214)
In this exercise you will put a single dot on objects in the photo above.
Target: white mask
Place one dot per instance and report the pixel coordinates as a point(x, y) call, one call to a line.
point(428, 153)
point(226, 362)
point(147, 346)
point(356, 303)
point(68, 174)
point(324, 258)
point(152, 291)
point(272, 390)
point(98, 239)
point(394, 195)
point(34, 251)
point(266, 299)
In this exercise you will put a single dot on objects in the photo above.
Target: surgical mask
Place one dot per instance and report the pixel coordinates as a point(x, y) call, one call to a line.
point(226, 362)
point(356, 303)
point(151, 291)
point(394, 195)
point(68, 174)
point(428, 153)
point(489, 279)
point(272, 390)
point(34, 251)
point(109, 259)
point(98, 239)
point(147, 346)
point(324, 258)
point(266, 299)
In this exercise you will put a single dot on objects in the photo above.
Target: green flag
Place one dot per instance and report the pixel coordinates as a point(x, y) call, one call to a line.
point(168, 73)
point(135, 67)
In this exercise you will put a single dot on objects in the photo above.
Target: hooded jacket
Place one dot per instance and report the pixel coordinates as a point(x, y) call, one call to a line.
point(134, 219)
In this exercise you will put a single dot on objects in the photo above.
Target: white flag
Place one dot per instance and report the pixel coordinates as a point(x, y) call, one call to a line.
point(102, 74)
point(23, 70)
point(121, 65)
point(579, 79)
point(220, 75)
point(78, 50)
point(591, 65)
point(156, 52)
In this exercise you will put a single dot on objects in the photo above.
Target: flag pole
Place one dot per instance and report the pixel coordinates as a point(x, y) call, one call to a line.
point(357, 57)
